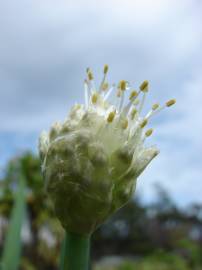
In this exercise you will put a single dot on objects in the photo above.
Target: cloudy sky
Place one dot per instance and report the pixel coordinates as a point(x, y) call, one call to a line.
point(46, 45)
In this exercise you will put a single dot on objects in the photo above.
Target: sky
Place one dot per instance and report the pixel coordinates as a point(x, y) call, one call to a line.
point(45, 47)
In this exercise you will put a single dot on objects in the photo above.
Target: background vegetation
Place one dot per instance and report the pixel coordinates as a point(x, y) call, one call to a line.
point(158, 236)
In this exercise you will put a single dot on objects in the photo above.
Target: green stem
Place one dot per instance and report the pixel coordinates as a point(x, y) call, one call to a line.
point(75, 252)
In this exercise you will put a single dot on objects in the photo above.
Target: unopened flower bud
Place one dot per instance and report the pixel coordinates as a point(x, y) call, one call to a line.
point(91, 161)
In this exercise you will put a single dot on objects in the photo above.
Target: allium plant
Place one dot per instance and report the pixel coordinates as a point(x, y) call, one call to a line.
point(91, 160)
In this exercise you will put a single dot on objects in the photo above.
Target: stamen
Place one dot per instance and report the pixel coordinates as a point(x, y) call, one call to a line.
point(170, 102)
point(122, 85)
point(143, 123)
point(94, 98)
point(133, 113)
point(125, 114)
point(106, 67)
point(155, 106)
point(142, 102)
point(105, 70)
point(149, 132)
point(108, 93)
point(90, 80)
point(158, 109)
point(132, 98)
point(90, 74)
point(124, 124)
point(111, 116)
point(121, 102)
point(144, 87)
point(87, 93)
point(153, 110)
point(133, 94)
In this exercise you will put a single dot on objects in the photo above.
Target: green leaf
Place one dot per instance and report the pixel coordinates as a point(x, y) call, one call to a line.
point(12, 248)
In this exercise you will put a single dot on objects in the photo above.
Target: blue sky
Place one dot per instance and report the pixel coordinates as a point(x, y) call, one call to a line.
point(45, 47)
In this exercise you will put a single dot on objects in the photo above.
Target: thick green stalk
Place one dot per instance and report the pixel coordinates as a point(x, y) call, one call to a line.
point(75, 252)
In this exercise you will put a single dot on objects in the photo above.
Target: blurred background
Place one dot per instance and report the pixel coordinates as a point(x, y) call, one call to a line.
point(45, 47)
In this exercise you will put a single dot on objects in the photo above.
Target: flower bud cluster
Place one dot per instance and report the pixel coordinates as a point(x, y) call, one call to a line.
point(91, 161)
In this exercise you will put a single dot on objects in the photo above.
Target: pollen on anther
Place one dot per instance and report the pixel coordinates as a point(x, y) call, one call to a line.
point(133, 113)
point(155, 106)
point(170, 102)
point(133, 94)
point(110, 117)
point(144, 86)
point(124, 124)
point(149, 132)
point(94, 98)
point(122, 85)
point(106, 67)
point(143, 123)
point(90, 74)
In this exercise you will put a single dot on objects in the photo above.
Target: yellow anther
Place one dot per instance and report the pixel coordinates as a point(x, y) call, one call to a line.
point(155, 106)
point(111, 116)
point(106, 67)
point(149, 132)
point(144, 87)
point(90, 75)
point(133, 94)
point(124, 124)
point(122, 85)
point(133, 113)
point(143, 123)
point(94, 98)
point(105, 86)
point(170, 102)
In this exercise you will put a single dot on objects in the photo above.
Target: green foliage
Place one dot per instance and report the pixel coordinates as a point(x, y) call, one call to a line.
point(194, 251)
point(12, 247)
point(39, 212)
point(30, 167)
point(136, 230)
point(157, 261)
point(163, 261)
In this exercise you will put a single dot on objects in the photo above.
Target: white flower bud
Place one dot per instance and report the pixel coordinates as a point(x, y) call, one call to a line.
point(91, 161)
